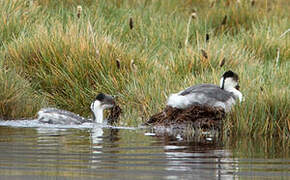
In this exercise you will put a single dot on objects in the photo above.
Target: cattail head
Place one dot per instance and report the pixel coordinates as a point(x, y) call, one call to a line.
point(79, 11)
point(118, 63)
point(222, 63)
point(206, 37)
point(228, 3)
point(179, 45)
point(212, 3)
point(194, 15)
point(131, 23)
point(224, 20)
point(133, 65)
point(204, 53)
point(252, 2)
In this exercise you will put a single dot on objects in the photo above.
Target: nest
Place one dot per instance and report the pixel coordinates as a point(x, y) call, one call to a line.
point(114, 115)
point(196, 116)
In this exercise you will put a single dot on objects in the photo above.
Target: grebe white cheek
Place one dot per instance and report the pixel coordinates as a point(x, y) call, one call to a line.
point(230, 82)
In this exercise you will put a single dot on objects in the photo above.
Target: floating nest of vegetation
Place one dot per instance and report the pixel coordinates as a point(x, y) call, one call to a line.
point(196, 117)
point(114, 115)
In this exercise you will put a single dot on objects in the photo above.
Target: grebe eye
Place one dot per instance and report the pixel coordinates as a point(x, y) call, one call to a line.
point(237, 87)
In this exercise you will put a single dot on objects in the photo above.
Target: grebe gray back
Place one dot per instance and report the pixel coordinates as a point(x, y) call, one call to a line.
point(223, 96)
point(58, 116)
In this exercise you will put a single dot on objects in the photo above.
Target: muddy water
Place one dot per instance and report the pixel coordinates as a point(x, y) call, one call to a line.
point(30, 153)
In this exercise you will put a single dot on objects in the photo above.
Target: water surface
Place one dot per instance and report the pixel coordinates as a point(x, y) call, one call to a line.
point(31, 152)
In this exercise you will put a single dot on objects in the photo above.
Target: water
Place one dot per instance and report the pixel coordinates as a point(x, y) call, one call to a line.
point(32, 151)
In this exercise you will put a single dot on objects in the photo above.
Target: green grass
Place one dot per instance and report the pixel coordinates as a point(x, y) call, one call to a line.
point(18, 98)
point(60, 60)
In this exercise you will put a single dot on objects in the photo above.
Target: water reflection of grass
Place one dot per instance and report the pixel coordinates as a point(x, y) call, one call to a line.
point(259, 147)
point(63, 56)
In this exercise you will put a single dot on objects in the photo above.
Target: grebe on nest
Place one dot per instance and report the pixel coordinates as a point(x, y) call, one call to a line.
point(101, 102)
point(223, 96)
point(201, 104)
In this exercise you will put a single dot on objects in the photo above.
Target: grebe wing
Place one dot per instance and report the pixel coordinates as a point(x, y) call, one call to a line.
point(59, 116)
point(210, 91)
point(197, 87)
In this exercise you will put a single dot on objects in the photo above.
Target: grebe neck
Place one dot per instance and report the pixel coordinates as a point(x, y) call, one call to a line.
point(97, 111)
point(98, 115)
point(236, 93)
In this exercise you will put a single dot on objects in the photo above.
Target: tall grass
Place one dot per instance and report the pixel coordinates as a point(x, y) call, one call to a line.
point(67, 56)
point(17, 98)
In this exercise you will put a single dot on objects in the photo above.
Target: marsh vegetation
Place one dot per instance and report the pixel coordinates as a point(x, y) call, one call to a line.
point(61, 53)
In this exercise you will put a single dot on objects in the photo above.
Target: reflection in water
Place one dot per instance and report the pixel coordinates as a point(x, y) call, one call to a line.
point(204, 157)
point(105, 153)
point(214, 157)
point(96, 136)
point(203, 164)
point(102, 140)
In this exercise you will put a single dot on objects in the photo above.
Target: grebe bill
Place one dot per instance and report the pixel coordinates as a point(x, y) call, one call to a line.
point(209, 94)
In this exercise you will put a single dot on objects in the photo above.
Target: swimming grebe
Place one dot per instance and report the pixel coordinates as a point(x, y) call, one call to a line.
point(223, 96)
point(58, 116)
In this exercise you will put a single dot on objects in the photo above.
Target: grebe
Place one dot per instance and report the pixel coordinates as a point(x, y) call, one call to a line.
point(223, 96)
point(58, 116)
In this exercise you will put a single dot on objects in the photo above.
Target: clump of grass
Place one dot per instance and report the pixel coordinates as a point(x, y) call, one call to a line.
point(260, 113)
point(68, 68)
point(266, 41)
point(17, 98)
point(16, 17)
point(63, 4)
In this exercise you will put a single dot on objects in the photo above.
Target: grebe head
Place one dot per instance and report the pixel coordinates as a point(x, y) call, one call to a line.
point(229, 80)
point(101, 102)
